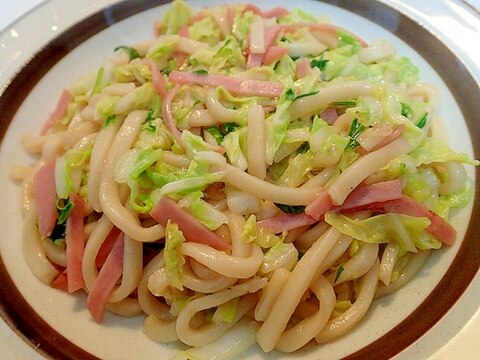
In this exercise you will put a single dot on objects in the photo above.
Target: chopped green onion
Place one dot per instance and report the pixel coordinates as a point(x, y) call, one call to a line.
point(229, 127)
point(131, 51)
point(422, 121)
point(339, 272)
point(319, 63)
point(407, 110)
point(291, 209)
point(200, 72)
point(356, 128)
point(216, 133)
point(347, 103)
point(97, 88)
point(305, 95)
point(290, 95)
point(109, 121)
point(303, 148)
point(64, 208)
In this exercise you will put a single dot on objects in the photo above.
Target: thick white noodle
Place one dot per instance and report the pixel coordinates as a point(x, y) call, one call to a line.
point(305, 241)
point(357, 266)
point(127, 307)
point(208, 333)
point(363, 167)
point(160, 330)
point(299, 335)
point(268, 191)
point(34, 254)
point(239, 247)
point(54, 253)
point(291, 294)
point(345, 322)
point(101, 146)
point(389, 257)
point(147, 301)
point(256, 140)
point(270, 293)
point(333, 255)
point(414, 265)
point(331, 93)
point(222, 263)
point(109, 197)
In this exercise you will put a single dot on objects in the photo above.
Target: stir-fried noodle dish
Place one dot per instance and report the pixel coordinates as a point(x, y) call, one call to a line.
point(263, 171)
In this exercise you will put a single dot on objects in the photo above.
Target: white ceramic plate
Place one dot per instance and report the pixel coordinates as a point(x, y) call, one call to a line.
point(390, 319)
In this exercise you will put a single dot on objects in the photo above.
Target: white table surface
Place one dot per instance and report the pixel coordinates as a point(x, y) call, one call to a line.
point(456, 337)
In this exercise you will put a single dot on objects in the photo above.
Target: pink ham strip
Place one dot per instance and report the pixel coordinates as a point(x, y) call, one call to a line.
point(108, 277)
point(275, 12)
point(303, 68)
point(167, 209)
point(254, 60)
point(273, 54)
point(330, 30)
point(184, 32)
point(157, 78)
point(75, 244)
point(233, 84)
point(107, 247)
point(405, 205)
point(362, 195)
point(58, 113)
point(60, 282)
point(45, 196)
point(319, 206)
point(329, 115)
point(284, 221)
point(168, 117)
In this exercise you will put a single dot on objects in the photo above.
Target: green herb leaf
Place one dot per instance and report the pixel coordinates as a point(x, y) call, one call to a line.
point(216, 133)
point(64, 208)
point(291, 209)
point(339, 272)
point(422, 121)
point(290, 95)
point(131, 51)
point(109, 121)
point(97, 88)
point(344, 103)
point(305, 95)
point(229, 127)
point(319, 63)
point(200, 72)
point(356, 128)
point(407, 110)
point(303, 148)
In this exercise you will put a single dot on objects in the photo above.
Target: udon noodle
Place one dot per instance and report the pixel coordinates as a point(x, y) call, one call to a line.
point(241, 167)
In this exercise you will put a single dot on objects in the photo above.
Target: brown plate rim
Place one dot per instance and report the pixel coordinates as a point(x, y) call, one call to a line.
point(21, 317)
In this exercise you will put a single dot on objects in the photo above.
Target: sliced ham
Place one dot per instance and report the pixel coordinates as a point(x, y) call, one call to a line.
point(284, 221)
point(59, 112)
point(108, 277)
point(254, 60)
point(362, 195)
point(75, 244)
point(405, 205)
point(167, 209)
point(45, 197)
point(330, 115)
point(107, 247)
point(319, 206)
point(184, 32)
point(303, 68)
point(157, 78)
point(273, 54)
point(233, 84)
point(331, 31)
point(275, 12)
point(60, 282)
